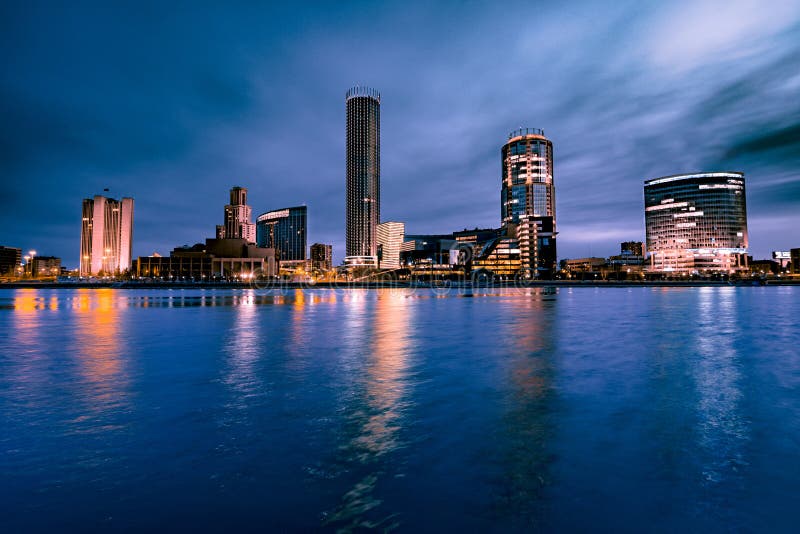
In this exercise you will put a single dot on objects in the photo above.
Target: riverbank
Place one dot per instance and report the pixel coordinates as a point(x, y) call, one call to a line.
point(389, 284)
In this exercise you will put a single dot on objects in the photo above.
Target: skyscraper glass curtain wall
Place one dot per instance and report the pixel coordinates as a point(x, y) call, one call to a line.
point(363, 169)
point(696, 222)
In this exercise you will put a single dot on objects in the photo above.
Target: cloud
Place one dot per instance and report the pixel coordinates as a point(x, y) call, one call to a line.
point(688, 35)
point(778, 140)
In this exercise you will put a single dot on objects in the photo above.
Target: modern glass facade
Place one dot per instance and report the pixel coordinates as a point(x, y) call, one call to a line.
point(696, 223)
point(285, 231)
point(500, 257)
point(363, 209)
point(528, 195)
point(527, 174)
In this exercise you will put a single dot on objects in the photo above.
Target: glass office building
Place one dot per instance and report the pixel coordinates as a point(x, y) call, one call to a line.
point(696, 223)
point(527, 172)
point(363, 155)
point(285, 231)
point(528, 197)
point(500, 257)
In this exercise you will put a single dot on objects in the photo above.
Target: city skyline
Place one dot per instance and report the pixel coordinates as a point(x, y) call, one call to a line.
point(682, 103)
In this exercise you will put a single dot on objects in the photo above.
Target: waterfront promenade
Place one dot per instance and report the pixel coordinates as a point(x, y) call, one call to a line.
point(343, 284)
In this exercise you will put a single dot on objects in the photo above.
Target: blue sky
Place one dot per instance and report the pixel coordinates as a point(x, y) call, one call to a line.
point(175, 104)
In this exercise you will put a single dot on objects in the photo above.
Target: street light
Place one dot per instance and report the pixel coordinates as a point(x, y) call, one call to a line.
point(33, 255)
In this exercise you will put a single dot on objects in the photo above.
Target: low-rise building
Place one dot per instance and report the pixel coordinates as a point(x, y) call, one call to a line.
point(46, 266)
point(795, 256)
point(632, 248)
point(500, 256)
point(216, 259)
point(763, 267)
point(583, 265)
point(321, 257)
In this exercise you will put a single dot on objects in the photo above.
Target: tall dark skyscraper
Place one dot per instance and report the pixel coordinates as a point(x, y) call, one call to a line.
point(363, 174)
point(528, 198)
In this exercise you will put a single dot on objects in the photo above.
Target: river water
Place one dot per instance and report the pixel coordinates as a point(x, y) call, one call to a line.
point(614, 409)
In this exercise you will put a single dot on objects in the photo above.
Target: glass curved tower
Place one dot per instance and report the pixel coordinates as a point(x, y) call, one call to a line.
point(528, 198)
point(696, 223)
point(527, 176)
point(285, 231)
point(363, 210)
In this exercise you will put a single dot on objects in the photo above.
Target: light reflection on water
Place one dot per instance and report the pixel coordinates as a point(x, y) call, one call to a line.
point(377, 407)
point(529, 427)
point(722, 430)
point(308, 409)
point(243, 348)
point(90, 344)
point(98, 345)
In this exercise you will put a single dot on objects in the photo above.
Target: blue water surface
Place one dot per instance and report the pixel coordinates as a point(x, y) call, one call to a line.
point(612, 409)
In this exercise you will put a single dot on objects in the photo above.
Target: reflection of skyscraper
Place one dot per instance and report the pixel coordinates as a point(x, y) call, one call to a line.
point(379, 405)
point(285, 231)
point(238, 215)
point(722, 427)
point(106, 235)
point(99, 348)
point(528, 197)
point(242, 348)
point(696, 222)
point(363, 210)
point(528, 429)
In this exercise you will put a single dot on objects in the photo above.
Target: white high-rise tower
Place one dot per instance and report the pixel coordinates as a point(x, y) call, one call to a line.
point(106, 236)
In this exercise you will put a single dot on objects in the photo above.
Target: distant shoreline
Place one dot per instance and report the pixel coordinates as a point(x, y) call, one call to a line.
point(391, 285)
